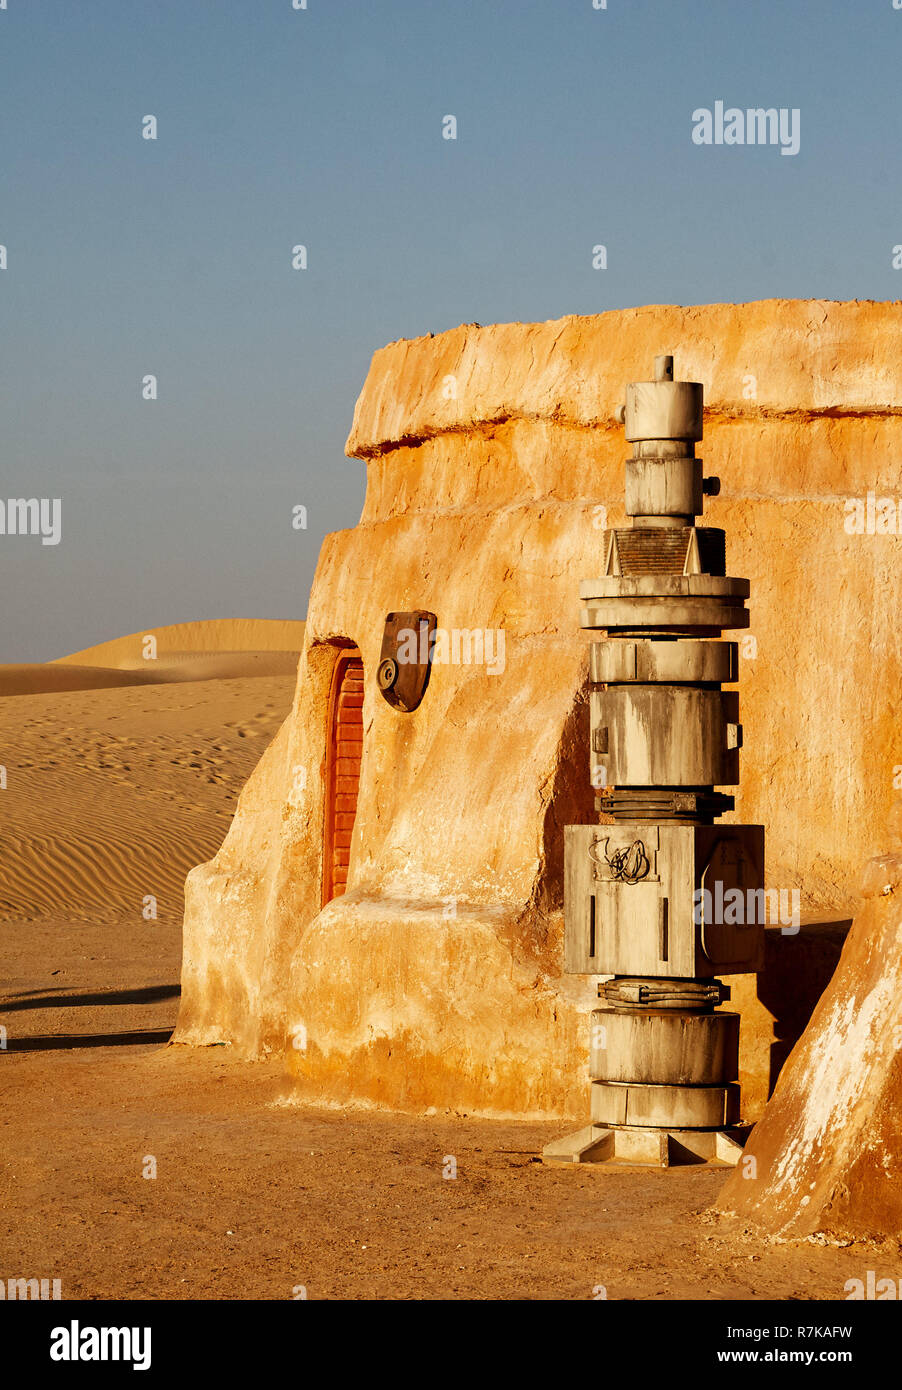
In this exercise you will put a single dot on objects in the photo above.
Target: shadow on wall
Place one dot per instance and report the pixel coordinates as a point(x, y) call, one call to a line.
point(797, 970)
point(572, 801)
point(777, 1004)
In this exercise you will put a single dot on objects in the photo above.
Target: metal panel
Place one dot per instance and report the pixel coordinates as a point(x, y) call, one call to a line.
point(613, 927)
point(730, 867)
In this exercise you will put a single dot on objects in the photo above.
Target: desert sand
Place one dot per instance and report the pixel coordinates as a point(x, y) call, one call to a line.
point(113, 793)
point(254, 1198)
point(115, 784)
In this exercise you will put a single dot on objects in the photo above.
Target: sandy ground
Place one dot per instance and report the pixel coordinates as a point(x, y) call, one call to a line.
point(253, 1198)
point(112, 795)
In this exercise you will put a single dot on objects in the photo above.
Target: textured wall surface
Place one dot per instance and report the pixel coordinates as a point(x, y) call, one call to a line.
point(491, 453)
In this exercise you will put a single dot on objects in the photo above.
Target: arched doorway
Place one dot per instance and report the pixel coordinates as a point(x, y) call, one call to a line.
point(344, 752)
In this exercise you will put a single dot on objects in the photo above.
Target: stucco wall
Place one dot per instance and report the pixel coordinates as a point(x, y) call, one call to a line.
point(490, 454)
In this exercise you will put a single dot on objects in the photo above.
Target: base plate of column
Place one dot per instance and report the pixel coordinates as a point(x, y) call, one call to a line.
point(649, 1148)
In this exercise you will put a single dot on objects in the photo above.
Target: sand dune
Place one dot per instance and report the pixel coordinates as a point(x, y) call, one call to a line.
point(198, 651)
point(119, 779)
point(176, 640)
point(38, 679)
point(205, 666)
point(114, 794)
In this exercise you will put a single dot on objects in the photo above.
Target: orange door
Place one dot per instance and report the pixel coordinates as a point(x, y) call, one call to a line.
point(344, 752)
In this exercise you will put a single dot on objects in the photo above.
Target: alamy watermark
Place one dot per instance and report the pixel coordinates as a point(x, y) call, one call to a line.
point(23, 1290)
point(744, 907)
point(873, 516)
point(81, 1343)
point(456, 646)
point(752, 126)
point(873, 1288)
point(32, 516)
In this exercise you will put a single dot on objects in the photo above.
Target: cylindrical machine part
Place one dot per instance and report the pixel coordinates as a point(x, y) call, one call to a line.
point(664, 410)
point(653, 805)
point(616, 1103)
point(647, 660)
point(696, 613)
point(664, 487)
point(629, 992)
point(664, 1048)
point(665, 736)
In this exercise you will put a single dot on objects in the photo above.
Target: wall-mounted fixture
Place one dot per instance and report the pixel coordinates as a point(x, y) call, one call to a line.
point(406, 658)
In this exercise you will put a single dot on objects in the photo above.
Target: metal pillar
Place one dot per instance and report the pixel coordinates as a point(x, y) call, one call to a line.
point(661, 898)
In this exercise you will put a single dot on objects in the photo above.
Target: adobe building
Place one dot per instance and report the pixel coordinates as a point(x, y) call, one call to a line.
point(385, 915)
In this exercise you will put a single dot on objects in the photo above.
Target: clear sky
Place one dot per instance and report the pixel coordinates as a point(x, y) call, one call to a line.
point(323, 127)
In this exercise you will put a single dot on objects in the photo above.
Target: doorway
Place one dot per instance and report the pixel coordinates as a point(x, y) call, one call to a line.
point(344, 753)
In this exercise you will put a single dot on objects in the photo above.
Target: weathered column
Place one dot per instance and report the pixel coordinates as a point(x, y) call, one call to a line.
point(663, 899)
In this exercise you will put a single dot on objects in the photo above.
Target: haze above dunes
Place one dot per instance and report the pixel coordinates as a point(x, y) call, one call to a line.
point(195, 651)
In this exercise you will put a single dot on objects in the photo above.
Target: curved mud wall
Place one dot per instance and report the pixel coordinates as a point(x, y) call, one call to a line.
point(494, 463)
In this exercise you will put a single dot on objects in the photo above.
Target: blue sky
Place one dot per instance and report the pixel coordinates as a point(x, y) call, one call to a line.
point(323, 126)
